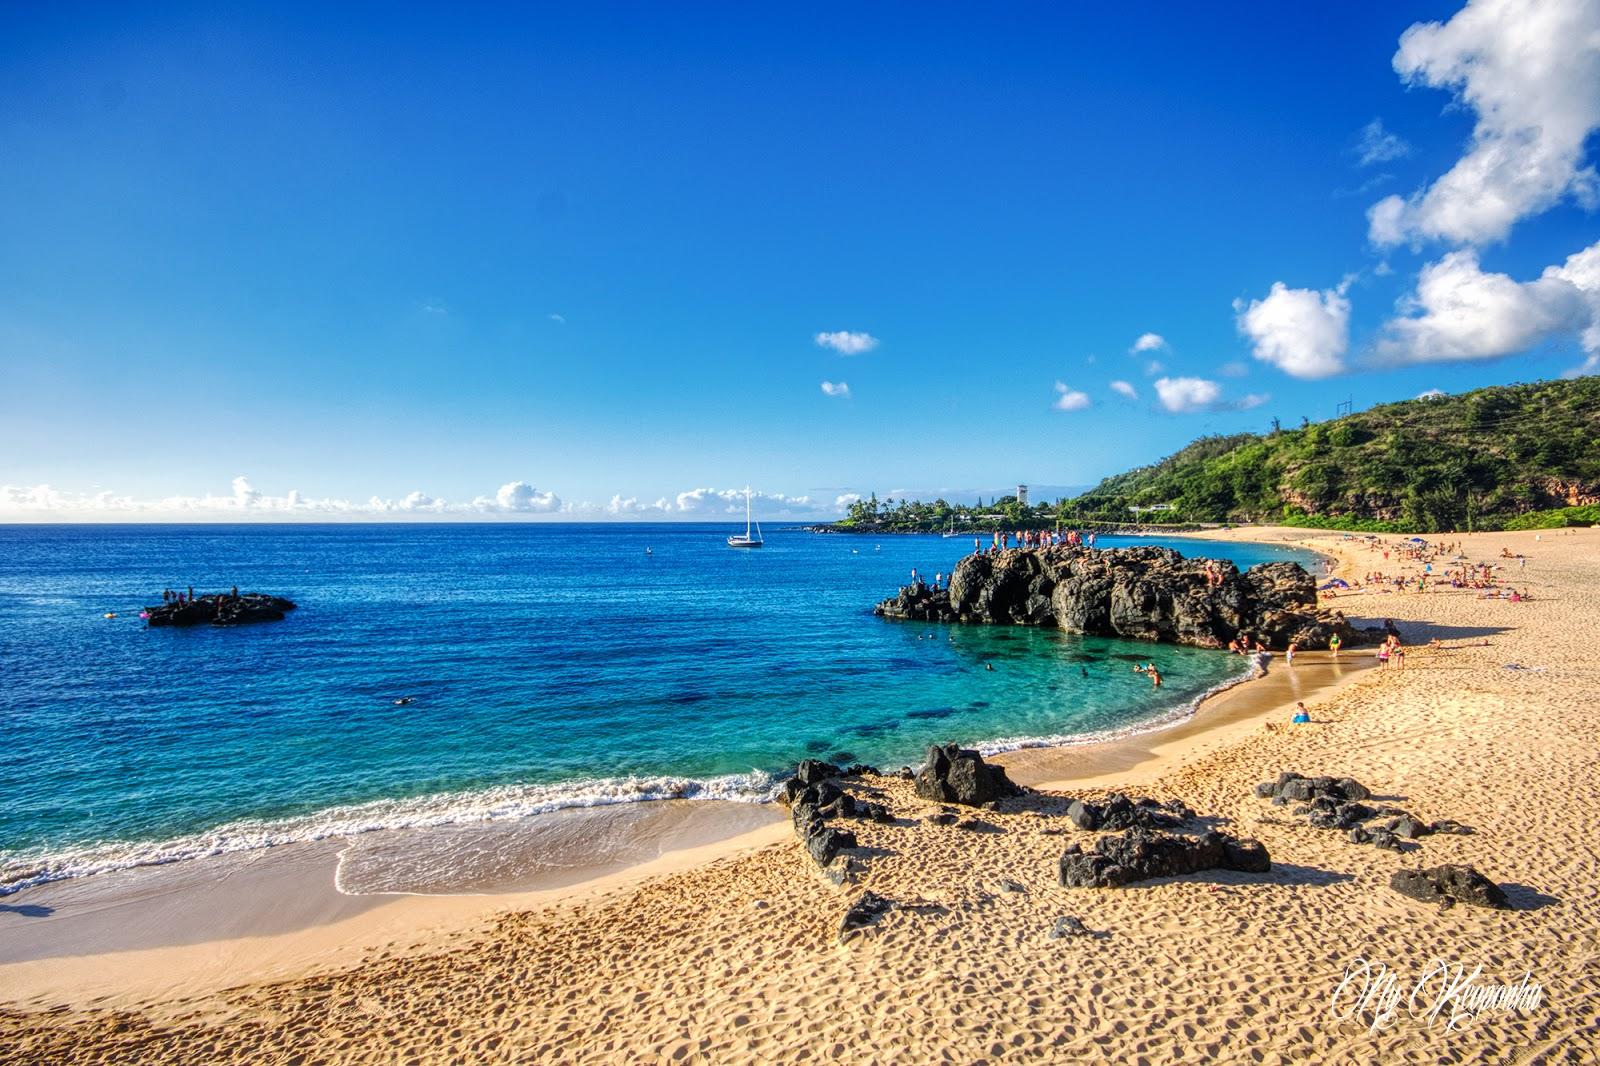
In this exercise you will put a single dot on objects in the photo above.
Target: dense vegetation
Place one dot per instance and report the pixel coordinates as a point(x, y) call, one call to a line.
point(1517, 456)
point(1507, 457)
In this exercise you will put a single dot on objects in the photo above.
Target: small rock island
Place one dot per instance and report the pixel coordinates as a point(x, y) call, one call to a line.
point(1144, 593)
point(220, 609)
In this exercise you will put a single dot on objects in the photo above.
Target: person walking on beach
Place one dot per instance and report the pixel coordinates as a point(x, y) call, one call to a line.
point(1288, 655)
point(1333, 645)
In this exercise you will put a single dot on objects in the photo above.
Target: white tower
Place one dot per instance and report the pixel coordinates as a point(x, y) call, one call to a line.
point(1022, 495)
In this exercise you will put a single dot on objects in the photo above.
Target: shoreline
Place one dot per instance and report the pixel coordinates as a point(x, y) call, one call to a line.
point(443, 811)
point(728, 951)
point(312, 870)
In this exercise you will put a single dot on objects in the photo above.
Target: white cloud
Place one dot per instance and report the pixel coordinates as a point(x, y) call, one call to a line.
point(1530, 70)
point(1302, 332)
point(847, 343)
point(836, 388)
point(434, 307)
point(1125, 389)
point(843, 501)
point(632, 505)
point(558, 319)
point(1149, 342)
point(1069, 399)
point(1154, 367)
point(519, 497)
point(1179, 395)
point(1186, 395)
point(515, 500)
point(1378, 145)
point(1459, 312)
point(1234, 368)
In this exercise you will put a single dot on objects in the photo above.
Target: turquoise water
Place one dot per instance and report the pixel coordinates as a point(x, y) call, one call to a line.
point(550, 666)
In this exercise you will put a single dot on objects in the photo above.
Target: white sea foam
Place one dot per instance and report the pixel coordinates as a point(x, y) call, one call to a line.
point(502, 803)
point(19, 871)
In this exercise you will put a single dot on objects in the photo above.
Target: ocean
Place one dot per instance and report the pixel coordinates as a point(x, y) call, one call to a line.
point(548, 666)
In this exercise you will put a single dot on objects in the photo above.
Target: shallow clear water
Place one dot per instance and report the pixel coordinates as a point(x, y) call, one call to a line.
point(551, 666)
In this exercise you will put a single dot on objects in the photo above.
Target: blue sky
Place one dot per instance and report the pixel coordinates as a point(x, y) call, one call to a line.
point(468, 262)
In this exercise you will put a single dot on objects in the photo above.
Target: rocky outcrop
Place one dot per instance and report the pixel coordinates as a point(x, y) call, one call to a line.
point(1140, 854)
point(1448, 885)
point(223, 609)
point(1335, 803)
point(1119, 812)
point(863, 914)
point(959, 775)
point(1145, 593)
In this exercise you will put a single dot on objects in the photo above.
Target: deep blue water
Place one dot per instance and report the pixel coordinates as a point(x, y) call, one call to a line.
point(550, 665)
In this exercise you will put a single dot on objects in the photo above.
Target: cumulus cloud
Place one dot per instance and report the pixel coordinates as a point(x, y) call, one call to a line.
point(513, 500)
point(632, 505)
point(1461, 312)
point(1378, 145)
point(1148, 342)
point(846, 342)
point(1125, 389)
point(245, 501)
point(1069, 399)
point(519, 497)
point(559, 320)
point(1186, 395)
point(1303, 332)
point(1530, 71)
point(836, 388)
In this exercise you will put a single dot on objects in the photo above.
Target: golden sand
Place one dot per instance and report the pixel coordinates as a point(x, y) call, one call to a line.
point(735, 958)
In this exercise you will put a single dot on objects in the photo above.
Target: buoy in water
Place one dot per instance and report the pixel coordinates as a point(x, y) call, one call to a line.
point(111, 614)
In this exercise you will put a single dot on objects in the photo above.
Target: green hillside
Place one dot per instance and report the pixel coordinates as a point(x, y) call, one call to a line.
point(1512, 456)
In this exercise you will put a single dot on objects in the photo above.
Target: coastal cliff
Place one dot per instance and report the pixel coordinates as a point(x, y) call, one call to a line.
point(1144, 593)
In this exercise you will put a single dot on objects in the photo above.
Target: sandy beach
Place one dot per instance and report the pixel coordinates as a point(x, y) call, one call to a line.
point(724, 947)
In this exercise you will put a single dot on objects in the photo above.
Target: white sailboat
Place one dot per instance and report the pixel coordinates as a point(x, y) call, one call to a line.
point(747, 541)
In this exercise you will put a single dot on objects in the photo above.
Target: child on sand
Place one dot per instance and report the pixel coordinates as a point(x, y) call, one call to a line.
point(1301, 715)
point(1333, 645)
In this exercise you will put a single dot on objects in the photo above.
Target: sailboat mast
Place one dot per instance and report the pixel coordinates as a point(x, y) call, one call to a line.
point(747, 512)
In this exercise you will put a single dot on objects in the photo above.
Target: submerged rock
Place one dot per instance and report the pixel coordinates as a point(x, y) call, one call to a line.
point(1448, 884)
point(1141, 854)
